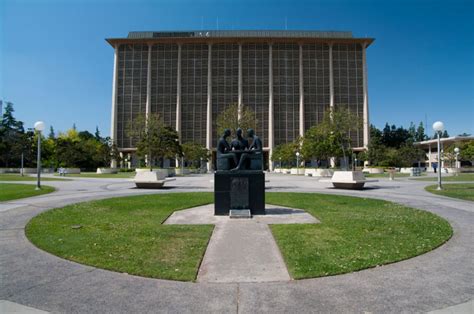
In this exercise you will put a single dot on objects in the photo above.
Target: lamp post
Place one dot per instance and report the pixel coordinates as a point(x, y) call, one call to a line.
point(39, 127)
point(438, 127)
point(458, 168)
point(297, 163)
point(280, 163)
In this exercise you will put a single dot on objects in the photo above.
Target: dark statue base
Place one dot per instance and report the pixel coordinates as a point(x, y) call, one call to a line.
point(244, 189)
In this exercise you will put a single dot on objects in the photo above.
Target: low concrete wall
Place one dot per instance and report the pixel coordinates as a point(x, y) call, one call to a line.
point(107, 170)
point(25, 170)
point(373, 170)
point(298, 171)
point(319, 172)
point(72, 170)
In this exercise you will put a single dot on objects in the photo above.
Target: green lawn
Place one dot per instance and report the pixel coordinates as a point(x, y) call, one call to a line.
point(17, 177)
point(9, 191)
point(126, 235)
point(354, 234)
point(450, 177)
point(98, 175)
point(462, 191)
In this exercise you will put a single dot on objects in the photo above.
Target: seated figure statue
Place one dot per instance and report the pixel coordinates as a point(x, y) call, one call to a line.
point(253, 154)
point(239, 144)
point(224, 152)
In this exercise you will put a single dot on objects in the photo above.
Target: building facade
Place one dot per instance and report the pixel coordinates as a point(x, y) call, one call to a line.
point(288, 78)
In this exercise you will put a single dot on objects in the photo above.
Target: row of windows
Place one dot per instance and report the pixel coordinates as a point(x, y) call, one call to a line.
point(132, 85)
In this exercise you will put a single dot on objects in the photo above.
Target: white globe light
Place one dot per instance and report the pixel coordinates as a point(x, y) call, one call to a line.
point(39, 126)
point(438, 126)
point(297, 153)
point(456, 150)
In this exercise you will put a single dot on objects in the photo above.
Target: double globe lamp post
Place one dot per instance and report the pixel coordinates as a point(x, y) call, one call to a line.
point(438, 127)
point(39, 127)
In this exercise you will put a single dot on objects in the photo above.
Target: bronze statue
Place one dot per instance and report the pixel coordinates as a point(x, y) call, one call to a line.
point(224, 152)
point(251, 157)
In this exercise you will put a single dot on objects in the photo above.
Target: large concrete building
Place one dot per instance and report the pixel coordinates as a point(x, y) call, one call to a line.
point(288, 78)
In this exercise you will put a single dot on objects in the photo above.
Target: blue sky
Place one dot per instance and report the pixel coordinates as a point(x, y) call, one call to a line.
point(55, 65)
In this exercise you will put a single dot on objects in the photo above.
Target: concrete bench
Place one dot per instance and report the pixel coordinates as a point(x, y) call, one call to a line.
point(151, 179)
point(354, 180)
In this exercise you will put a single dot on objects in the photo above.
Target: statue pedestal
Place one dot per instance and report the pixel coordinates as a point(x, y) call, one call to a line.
point(244, 189)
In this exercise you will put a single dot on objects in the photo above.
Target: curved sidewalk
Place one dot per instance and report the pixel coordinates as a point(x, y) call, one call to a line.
point(438, 279)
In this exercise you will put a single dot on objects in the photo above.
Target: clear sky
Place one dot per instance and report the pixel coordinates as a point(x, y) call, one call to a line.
point(56, 66)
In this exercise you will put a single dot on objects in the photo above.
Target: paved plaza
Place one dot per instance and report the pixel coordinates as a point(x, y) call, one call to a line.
point(33, 280)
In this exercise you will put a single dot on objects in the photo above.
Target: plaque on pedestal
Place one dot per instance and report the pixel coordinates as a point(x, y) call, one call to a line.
point(239, 190)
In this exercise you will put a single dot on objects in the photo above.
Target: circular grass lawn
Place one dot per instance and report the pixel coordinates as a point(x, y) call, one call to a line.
point(463, 191)
point(12, 191)
point(126, 234)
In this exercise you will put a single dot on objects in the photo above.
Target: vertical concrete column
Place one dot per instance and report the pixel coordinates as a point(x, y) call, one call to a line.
point(429, 158)
point(301, 111)
point(148, 83)
point(148, 97)
point(366, 99)
point(331, 79)
point(331, 92)
point(178, 95)
point(270, 106)
point(113, 118)
point(239, 116)
point(209, 105)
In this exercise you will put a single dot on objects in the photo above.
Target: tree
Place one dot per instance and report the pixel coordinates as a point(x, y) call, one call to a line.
point(97, 134)
point(285, 153)
point(412, 132)
point(194, 153)
point(420, 133)
point(467, 151)
point(316, 144)
point(51, 134)
point(445, 134)
point(155, 140)
point(12, 137)
point(229, 119)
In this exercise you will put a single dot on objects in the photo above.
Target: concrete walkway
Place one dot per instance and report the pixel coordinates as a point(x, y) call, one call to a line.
point(436, 280)
point(242, 250)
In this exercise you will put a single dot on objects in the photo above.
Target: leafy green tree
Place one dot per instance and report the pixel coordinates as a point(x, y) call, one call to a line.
point(316, 144)
point(156, 140)
point(466, 151)
point(229, 119)
point(193, 153)
point(284, 153)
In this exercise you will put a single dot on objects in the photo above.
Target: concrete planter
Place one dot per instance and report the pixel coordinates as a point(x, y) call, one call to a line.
point(320, 172)
point(349, 180)
point(107, 170)
point(151, 179)
point(180, 171)
point(285, 171)
point(72, 170)
point(297, 171)
point(168, 172)
point(373, 170)
point(413, 171)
